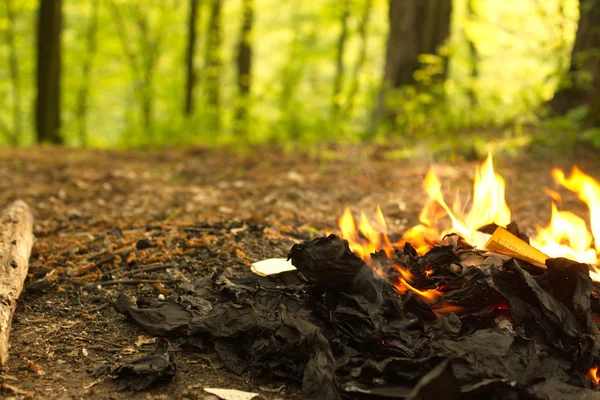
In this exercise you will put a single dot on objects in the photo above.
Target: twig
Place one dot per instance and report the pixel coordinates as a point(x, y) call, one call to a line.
point(97, 381)
point(198, 229)
point(135, 281)
point(105, 260)
point(148, 269)
point(96, 309)
point(97, 340)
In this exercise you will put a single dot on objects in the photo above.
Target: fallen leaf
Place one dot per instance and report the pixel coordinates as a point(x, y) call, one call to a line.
point(144, 340)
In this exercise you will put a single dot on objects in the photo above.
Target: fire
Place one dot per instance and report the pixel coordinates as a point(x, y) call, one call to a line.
point(593, 375)
point(588, 190)
point(372, 240)
point(366, 240)
point(440, 311)
point(567, 235)
point(488, 207)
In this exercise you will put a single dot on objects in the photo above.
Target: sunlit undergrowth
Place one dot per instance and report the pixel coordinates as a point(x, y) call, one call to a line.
point(505, 60)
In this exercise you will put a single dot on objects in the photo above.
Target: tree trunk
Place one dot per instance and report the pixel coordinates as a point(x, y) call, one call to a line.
point(415, 27)
point(16, 240)
point(142, 56)
point(339, 61)
point(583, 87)
point(473, 58)
point(131, 54)
point(291, 75)
point(150, 50)
point(244, 65)
point(13, 64)
point(213, 66)
point(189, 59)
point(362, 57)
point(84, 89)
point(48, 71)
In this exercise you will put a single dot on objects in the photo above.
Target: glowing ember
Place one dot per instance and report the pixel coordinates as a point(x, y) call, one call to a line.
point(593, 375)
point(366, 240)
point(440, 311)
point(567, 235)
point(431, 295)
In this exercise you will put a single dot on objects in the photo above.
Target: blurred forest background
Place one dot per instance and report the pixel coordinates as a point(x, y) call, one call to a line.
point(130, 73)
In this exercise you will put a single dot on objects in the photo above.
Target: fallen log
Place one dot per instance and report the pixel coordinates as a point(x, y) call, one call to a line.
point(16, 240)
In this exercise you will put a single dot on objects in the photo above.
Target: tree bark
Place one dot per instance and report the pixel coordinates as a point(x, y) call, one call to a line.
point(362, 57)
point(291, 77)
point(142, 56)
point(244, 64)
point(84, 89)
point(48, 71)
point(415, 27)
point(16, 240)
point(583, 88)
point(13, 64)
point(129, 50)
point(150, 50)
point(189, 60)
point(338, 80)
point(473, 58)
point(213, 66)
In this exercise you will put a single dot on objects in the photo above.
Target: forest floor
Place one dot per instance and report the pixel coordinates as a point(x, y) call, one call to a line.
point(196, 210)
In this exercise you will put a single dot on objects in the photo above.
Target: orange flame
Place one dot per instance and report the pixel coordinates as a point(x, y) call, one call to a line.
point(488, 207)
point(366, 240)
point(588, 190)
point(593, 375)
point(440, 311)
point(567, 235)
point(372, 240)
point(554, 195)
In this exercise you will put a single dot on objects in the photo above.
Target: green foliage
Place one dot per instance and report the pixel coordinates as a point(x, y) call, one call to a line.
point(593, 135)
point(523, 49)
point(564, 131)
point(421, 109)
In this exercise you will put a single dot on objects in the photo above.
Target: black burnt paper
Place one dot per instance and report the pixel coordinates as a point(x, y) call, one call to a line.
point(340, 330)
point(142, 373)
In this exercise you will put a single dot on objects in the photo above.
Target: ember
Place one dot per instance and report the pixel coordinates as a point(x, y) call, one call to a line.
point(593, 374)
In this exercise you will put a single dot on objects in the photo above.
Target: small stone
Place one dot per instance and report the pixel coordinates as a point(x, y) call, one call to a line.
point(143, 244)
point(84, 352)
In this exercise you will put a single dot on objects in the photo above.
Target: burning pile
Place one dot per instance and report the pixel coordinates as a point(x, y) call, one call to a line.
point(435, 315)
point(567, 235)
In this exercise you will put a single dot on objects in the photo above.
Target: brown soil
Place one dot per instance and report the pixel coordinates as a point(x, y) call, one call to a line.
point(198, 209)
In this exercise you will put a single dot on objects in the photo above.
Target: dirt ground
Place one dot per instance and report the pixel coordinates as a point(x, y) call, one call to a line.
point(101, 216)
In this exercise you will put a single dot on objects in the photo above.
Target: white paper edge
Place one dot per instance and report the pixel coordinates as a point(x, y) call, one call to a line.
point(480, 239)
point(231, 394)
point(272, 266)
